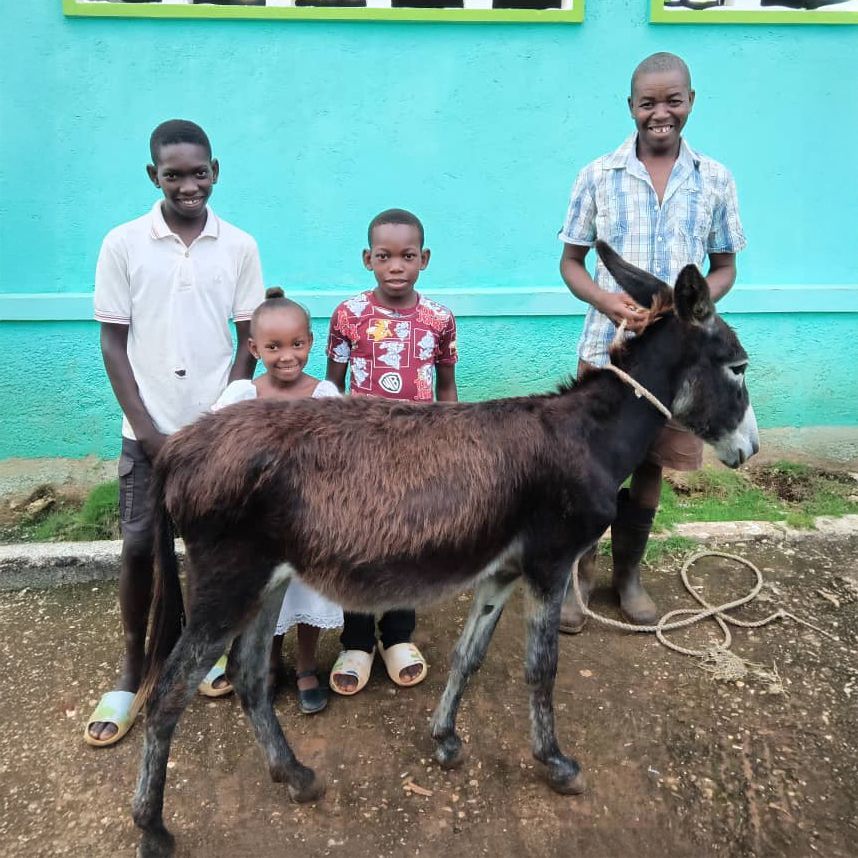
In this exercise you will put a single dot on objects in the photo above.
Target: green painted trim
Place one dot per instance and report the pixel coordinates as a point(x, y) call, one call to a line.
point(660, 15)
point(161, 10)
point(484, 302)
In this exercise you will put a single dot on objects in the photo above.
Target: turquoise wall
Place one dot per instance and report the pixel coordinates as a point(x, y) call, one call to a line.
point(478, 128)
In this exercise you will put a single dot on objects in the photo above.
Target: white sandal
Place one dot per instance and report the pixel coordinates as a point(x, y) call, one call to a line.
point(355, 663)
point(400, 656)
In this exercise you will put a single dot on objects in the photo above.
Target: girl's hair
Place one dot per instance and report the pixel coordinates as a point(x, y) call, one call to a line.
point(275, 299)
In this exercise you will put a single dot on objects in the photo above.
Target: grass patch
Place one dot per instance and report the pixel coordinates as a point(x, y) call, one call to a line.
point(668, 546)
point(67, 520)
point(715, 495)
point(658, 548)
point(785, 491)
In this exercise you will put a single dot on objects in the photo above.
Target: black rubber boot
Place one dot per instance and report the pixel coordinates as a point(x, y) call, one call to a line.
point(629, 536)
point(572, 618)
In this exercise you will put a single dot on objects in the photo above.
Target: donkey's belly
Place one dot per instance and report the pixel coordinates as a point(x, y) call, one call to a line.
point(406, 583)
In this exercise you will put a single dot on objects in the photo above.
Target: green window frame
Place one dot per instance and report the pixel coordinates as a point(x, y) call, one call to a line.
point(754, 11)
point(567, 11)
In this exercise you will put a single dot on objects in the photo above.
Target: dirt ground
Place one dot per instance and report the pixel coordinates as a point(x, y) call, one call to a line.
point(678, 764)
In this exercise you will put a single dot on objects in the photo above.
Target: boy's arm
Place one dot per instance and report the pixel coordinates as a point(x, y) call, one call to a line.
point(244, 362)
point(249, 294)
point(114, 350)
point(722, 274)
point(445, 383)
point(617, 306)
point(336, 373)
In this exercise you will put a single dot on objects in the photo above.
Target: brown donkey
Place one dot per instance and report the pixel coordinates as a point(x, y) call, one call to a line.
point(326, 489)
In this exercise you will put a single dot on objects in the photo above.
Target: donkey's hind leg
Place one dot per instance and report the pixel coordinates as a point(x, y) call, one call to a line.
point(248, 671)
point(193, 655)
point(543, 622)
point(489, 599)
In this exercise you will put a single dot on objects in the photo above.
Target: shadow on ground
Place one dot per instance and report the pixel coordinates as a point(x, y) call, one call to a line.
point(678, 763)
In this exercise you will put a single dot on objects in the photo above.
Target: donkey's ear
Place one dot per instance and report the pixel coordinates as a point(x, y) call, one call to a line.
point(691, 297)
point(641, 285)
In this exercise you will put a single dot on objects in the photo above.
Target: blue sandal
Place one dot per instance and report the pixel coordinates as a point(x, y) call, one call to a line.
point(311, 700)
point(207, 688)
point(115, 707)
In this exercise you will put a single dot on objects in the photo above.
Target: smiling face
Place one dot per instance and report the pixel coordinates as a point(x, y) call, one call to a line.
point(282, 340)
point(186, 174)
point(660, 104)
point(396, 258)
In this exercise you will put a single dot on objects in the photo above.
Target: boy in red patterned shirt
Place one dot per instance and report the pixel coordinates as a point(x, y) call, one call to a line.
point(397, 344)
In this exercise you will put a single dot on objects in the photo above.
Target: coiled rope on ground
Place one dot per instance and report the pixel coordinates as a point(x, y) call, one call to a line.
point(717, 658)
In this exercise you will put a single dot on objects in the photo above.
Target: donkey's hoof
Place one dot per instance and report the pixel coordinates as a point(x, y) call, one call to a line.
point(450, 752)
point(566, 777)
point(157, 845)
point(312, 790)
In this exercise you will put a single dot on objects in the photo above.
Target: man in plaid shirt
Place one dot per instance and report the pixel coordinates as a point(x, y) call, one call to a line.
point(661, 206)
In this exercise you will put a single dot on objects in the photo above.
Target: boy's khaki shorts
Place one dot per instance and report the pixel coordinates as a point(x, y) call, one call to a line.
point(677, 448)
point(674, 446)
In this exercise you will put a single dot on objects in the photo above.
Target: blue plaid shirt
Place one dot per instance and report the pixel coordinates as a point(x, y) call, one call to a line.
point(613, 199)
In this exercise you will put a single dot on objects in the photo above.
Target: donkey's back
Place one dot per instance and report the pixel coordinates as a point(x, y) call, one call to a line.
point(375, 503)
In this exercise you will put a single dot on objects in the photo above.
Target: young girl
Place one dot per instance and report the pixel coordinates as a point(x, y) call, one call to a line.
point(280, 336)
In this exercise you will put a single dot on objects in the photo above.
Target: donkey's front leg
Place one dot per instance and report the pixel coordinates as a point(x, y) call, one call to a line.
point(183, 671)
point(543, 620)
point(248, 671)
point(489, 598)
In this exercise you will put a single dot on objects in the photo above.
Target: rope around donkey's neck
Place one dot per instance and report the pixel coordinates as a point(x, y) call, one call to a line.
point(716, 658)
point(636, 386)
point(640, 390)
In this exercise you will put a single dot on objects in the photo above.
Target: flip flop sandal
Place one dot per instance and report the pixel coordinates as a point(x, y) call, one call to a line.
point(311, 700)
point(400, 656)
point(352, 662)
point(115, 707)
point(206, 687)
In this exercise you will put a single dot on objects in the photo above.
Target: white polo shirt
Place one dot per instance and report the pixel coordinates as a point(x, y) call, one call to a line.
point(177, 302)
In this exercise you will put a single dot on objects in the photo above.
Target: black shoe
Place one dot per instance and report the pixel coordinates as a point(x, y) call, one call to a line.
point(311, 700)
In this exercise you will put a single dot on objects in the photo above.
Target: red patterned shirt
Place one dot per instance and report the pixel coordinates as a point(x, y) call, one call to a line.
point(392, 353)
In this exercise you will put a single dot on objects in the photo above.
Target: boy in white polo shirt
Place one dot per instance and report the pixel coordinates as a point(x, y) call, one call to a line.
point(166, 286)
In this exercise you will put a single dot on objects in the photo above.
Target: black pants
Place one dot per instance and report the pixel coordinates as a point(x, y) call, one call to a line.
point(359, 629)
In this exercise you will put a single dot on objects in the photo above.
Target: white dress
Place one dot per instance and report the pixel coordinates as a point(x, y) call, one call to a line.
point(301, 604)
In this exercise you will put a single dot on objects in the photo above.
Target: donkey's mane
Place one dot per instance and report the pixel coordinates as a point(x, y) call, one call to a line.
point(662, 306)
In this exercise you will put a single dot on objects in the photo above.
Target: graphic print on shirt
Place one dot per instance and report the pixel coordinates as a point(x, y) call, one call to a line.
point(378, 330)
point(360, 372)
point(424, 345)
point(424, 381)
point(390, 382)
point(392, 353)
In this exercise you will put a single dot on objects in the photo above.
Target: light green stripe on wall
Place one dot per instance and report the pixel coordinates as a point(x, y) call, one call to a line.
point(538, 301)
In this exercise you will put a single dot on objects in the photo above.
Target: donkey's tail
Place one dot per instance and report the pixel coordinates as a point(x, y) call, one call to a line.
point(168, 611)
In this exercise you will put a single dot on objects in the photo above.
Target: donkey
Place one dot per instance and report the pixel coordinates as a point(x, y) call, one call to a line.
point(326, 490)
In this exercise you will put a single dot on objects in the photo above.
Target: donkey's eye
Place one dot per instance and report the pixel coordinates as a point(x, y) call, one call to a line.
point(739, 368)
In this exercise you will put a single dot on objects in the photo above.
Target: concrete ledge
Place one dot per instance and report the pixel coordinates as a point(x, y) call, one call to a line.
point(54, 564)
point(830, 527)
